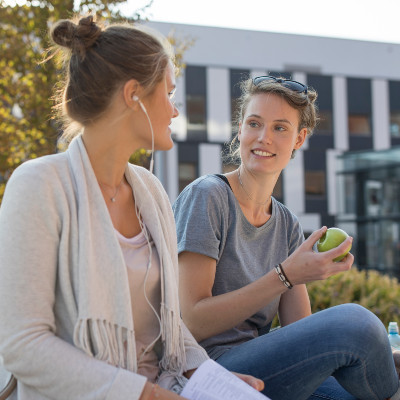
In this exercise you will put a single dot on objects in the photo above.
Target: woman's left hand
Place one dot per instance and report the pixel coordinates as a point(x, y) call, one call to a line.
point(255, 383)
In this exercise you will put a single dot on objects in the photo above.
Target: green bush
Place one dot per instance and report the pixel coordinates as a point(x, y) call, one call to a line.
point(376, 292)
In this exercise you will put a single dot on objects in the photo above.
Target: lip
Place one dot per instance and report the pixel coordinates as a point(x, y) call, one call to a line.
point(262, 153)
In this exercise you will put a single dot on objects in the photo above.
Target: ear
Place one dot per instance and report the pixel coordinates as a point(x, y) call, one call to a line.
point(300, 139)
point(132, 88)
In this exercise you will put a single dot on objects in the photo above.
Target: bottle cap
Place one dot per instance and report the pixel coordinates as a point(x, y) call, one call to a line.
point(393, 327)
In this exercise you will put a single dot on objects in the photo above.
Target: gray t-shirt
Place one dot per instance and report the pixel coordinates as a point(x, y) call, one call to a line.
point(209, 221)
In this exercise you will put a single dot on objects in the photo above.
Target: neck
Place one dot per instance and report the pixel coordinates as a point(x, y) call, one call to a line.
point(257, 193)
point(108, 153)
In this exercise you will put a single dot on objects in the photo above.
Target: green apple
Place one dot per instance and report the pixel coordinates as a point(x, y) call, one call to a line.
point(332, 238)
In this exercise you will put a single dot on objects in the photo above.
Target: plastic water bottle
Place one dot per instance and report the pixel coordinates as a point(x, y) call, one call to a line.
point(394, 337)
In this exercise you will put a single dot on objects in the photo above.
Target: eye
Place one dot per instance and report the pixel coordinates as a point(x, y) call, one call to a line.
point(253, 124)
point(171, 94)
point(280, 128)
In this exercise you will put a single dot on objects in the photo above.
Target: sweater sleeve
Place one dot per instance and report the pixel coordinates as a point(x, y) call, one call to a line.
point(195, 354)
point(46, 366)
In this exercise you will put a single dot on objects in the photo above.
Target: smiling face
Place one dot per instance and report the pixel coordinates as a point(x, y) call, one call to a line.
point(161, 109)
point(269, 133)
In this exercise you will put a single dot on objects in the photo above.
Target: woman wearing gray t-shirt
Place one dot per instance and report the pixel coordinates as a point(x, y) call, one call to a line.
point(243, 259)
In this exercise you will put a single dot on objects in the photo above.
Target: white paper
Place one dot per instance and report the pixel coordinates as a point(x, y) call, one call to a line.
point(211, 381)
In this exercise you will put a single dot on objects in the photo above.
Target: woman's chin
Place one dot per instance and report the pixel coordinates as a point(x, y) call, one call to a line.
point(165, 145)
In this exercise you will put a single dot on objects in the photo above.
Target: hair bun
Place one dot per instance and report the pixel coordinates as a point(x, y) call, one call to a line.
point(77, 37)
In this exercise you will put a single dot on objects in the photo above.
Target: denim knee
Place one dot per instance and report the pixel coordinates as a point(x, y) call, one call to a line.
point(355, 320)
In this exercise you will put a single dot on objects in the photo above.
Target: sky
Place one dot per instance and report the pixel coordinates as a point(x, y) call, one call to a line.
point(371, 20)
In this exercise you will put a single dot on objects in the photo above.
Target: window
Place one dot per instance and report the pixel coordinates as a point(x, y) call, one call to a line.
point(315, 183)
point(196, 106)
point(187, 174)
point(359, 106)
point(323, 85)
point(394, 101)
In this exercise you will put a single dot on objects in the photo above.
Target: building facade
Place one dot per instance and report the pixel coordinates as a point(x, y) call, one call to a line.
point(358, 83)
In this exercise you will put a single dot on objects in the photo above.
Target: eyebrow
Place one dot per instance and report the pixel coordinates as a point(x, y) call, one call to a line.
point(275, 120)
point(284, 121)
point(253, 115)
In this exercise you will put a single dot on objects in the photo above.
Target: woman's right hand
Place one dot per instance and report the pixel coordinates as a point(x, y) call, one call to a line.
point(305, 265)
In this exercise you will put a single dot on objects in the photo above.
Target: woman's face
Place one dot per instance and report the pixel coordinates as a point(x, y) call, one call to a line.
point(268, 134)
point(161, 109)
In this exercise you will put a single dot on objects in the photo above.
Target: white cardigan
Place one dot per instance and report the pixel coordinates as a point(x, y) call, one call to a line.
point(65, 302)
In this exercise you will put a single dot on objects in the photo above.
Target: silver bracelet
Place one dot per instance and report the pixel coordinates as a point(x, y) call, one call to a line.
point(282, 276)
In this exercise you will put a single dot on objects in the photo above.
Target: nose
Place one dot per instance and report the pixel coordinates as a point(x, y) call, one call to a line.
point(265, 136)
point(176, 111)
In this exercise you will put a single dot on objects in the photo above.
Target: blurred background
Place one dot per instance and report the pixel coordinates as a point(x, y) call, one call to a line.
point(347, 174)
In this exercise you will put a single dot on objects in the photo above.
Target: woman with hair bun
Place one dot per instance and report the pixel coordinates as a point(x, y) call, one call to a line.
point(243, 260)
point(88, 266)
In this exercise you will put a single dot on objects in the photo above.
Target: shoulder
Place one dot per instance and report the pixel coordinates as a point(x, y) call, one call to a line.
point(36, 190)
point(289, 221)
point(282, 212)
point(39, 172)
point(206, 187)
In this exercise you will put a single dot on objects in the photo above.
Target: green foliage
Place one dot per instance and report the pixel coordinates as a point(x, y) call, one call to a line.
point(26, 130)
point(27, 126)
point(376, 292)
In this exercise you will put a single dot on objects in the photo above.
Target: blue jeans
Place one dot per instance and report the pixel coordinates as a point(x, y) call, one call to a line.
point(347, 342)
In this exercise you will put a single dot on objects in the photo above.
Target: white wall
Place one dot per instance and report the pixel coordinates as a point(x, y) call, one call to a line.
point(222, 47)
point(179, 124)
point(340, 113)
point(166, 170)
point(293, 184)
point(209, 159)
point(218, 104)
point(380, 114)
point(331, 180)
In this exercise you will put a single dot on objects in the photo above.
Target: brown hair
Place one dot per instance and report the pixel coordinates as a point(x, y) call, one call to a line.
point(99, 60)
point(303, 103)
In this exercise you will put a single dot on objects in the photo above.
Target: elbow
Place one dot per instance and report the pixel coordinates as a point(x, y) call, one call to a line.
point(195, 328)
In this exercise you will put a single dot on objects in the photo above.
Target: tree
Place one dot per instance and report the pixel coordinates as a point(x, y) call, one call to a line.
point(27, 128)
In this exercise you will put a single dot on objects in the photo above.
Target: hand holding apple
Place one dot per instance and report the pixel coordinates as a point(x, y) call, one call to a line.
point(306, 265)
point(332, 238)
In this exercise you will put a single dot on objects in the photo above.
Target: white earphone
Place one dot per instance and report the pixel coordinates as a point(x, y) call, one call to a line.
point(144, 230)
point(136, 98)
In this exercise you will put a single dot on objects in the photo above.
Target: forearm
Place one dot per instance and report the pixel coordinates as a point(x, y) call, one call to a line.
point(63, 372)
point(294, 305)
point(215, 314)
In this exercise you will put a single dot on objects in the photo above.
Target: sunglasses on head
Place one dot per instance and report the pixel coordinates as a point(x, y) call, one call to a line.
point(290, 84)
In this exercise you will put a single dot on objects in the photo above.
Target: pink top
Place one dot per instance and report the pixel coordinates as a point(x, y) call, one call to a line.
point(146, 322)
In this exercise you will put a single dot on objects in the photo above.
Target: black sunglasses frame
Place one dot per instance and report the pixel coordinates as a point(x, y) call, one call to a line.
point(289, 83)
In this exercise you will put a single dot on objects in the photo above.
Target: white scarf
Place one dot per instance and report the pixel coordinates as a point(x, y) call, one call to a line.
point(105, 327)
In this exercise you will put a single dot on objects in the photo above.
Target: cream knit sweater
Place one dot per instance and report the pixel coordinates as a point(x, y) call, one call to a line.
point(65, 317)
